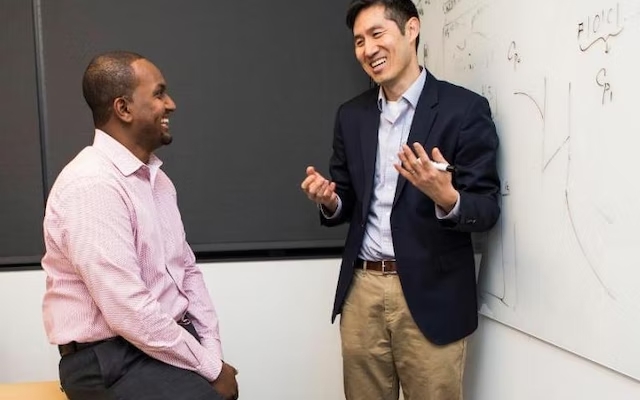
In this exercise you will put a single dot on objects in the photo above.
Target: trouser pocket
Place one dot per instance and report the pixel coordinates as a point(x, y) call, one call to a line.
point(81, 377)
point(115, 357)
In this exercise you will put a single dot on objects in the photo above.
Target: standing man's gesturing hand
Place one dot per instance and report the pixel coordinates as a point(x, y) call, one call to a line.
point(416, 167)
point(320, 190)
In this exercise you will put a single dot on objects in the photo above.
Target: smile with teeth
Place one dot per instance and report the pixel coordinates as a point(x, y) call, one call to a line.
point(378, 62)
point(165, 122)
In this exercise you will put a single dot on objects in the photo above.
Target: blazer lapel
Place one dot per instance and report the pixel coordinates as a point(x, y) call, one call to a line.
point(369, 142)
point(423, 119)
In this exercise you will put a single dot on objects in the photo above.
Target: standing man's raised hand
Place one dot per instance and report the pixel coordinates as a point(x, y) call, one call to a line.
point(320, 190)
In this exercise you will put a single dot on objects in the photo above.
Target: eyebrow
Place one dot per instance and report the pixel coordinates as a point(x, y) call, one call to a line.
point(368, 31)
point(160, 88)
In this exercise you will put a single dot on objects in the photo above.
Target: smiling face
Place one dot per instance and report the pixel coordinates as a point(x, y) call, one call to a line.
point(150, 106)
point(387, 54)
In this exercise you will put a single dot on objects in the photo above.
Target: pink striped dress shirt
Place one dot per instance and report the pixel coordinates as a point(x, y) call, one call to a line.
point(118, 263)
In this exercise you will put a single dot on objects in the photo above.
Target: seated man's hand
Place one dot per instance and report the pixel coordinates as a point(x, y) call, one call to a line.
point(226, 383)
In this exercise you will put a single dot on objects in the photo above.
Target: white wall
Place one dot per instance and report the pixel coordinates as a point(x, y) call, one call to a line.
point(506, 364)
point(275, 328)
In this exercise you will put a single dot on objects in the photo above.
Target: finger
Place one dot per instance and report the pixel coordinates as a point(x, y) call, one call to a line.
point(323, 192)
point(423, 158)
point(307, 182)
point(329, 197)
point(404, 172)
point(403, 159)
point(311, 188)
point(407, 165)
point(412, 159)
point(437, 156)
point(411, 156)
point(420, 152)
point(323, 188)
point(316, 187)
point(327, 193)
point(312, 182)
point(311, 170)
point(332, 187)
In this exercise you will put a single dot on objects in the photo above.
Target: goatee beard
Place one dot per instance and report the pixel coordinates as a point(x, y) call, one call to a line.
point(166, 139)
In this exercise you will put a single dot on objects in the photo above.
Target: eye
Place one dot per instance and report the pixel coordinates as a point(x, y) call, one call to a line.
point(160, 91)
point(359, 43)
point(377, 34)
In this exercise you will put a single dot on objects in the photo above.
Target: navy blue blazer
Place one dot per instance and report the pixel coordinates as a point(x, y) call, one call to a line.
point(434, 257)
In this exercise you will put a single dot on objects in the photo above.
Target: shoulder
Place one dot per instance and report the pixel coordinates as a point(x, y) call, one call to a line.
point(454, 97)
point(89, 172)
point(363, 101)
point(453, 101)
point(450, 92)
point(88, 163)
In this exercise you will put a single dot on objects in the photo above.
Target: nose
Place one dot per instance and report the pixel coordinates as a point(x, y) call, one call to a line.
point(370, 48)
point(169, 104)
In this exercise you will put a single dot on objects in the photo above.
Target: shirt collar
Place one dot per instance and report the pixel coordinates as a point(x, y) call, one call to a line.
point(120, 156)
point(412, 94)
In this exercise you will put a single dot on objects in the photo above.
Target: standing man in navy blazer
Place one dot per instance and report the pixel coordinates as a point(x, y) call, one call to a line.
point(407, 287)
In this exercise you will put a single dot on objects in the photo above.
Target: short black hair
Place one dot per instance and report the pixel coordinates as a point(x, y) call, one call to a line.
point(107, 77)
point(399, 11)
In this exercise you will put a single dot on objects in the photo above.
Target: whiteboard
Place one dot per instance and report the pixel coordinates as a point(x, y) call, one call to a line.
point(563, 81)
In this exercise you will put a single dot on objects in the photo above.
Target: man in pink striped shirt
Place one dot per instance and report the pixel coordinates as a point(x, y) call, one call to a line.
point(125, 301)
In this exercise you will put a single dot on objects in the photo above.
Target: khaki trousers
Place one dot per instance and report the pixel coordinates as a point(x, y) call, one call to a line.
point(383, 349)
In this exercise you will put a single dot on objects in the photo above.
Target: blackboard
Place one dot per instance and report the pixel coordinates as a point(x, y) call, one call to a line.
point(21, 180)
point(256, 83)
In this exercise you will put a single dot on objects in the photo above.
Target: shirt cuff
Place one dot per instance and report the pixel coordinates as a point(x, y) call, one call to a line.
point(453, 214)
point(212, 370)
point(335, 214)
point(213, 346)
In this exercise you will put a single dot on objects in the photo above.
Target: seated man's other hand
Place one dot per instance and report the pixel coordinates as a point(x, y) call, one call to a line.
point(226, 383)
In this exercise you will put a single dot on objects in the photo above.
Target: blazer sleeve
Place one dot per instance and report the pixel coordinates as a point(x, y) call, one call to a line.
point(476, 177)
point(339, 171)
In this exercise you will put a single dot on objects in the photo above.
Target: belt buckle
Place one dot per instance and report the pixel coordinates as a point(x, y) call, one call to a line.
point(184, 320)
point(383, 268)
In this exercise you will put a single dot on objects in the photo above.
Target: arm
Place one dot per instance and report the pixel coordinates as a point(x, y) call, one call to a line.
point(201, 309)
point(205, 320)
point(476, 178)
point(100, 242)
point(340, 175)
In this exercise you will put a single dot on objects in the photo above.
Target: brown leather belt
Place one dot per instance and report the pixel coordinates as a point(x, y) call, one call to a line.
point(384, 266)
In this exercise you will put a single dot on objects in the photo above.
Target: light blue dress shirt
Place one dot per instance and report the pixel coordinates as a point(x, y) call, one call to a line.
point(396, 118)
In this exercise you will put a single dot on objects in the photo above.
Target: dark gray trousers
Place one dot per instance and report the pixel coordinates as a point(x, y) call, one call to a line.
point(116, 370)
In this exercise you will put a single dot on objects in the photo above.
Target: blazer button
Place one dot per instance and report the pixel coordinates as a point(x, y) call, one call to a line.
point(471, 221)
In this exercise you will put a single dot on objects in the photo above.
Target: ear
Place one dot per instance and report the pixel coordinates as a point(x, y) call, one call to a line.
point(121, 109)
point(412, 28)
